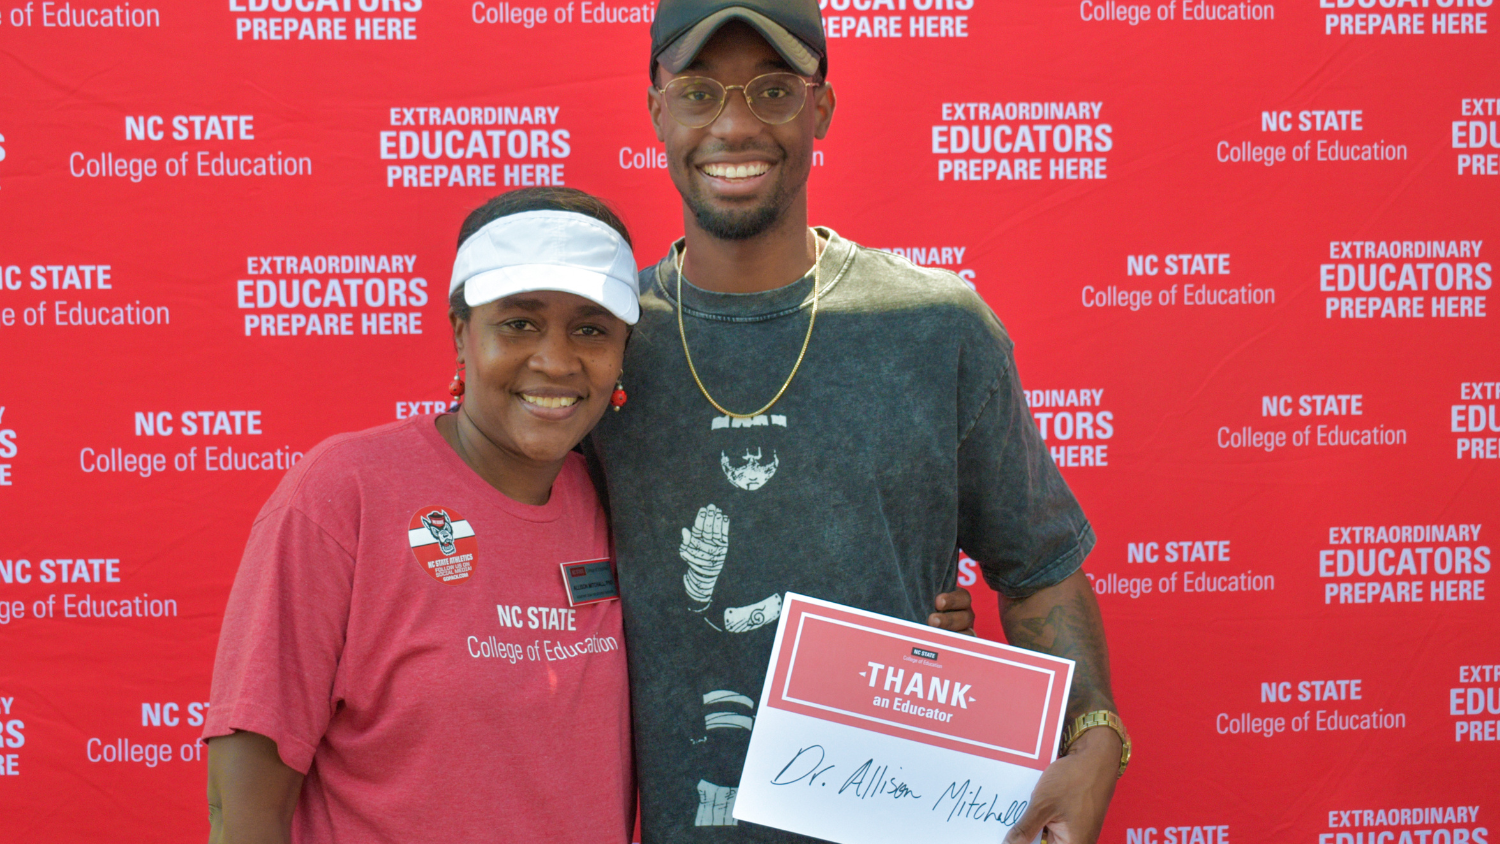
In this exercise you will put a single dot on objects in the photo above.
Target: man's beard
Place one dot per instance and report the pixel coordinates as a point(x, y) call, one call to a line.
point(742, 223)
point(738, 224)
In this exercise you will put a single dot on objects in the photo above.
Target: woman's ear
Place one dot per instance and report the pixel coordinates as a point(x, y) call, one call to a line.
point(460, 333)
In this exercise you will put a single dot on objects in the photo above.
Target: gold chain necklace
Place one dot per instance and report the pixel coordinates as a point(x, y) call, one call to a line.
point(682, 332)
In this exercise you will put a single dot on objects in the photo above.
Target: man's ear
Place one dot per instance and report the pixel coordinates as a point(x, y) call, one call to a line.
point(654, 106)
point(825, 102)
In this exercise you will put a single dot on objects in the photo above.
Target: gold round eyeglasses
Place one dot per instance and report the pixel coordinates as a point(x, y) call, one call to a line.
point(774, 98)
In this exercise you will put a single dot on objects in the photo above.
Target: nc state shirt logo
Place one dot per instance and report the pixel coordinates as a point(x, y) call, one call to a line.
point(443, 543)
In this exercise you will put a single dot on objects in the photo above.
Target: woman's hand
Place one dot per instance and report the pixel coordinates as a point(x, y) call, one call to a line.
point(251, 792)
point(953, 612)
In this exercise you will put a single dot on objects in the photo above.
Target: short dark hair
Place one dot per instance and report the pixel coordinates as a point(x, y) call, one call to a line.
point(532, 199)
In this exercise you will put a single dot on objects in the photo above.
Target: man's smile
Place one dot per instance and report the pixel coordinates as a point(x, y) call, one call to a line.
point(735, 172)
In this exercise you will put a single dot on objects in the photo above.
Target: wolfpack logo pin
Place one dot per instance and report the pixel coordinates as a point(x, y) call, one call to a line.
point(443, 543)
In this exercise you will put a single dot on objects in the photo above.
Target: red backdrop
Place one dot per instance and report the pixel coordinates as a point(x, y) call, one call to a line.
point(1246, 251)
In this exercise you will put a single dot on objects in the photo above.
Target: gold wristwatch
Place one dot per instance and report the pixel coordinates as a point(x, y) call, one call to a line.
point(1099, 718)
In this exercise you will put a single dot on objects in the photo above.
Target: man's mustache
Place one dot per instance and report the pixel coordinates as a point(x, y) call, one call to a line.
point(774, 151)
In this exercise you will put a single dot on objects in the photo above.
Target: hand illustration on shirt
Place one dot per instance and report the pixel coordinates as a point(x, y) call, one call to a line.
point(755, 616)
point(715, 805)
point(703, 549)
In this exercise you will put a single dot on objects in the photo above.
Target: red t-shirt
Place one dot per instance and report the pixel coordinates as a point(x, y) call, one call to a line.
point(401, 630)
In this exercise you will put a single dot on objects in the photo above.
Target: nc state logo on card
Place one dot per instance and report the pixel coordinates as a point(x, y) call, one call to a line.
point(443, 543)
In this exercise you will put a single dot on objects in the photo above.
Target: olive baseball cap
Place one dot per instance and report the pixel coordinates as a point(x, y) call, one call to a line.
point(793, 27)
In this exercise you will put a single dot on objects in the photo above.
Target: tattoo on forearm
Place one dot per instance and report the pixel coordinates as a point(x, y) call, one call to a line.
point(1072, 629)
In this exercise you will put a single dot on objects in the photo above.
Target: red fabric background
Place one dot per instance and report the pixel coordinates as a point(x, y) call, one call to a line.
point(1177, 379)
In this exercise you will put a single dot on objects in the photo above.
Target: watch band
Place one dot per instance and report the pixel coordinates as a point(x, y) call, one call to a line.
point(1099, 718)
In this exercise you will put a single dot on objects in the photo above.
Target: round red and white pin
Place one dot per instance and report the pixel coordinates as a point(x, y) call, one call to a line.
point(444, 544)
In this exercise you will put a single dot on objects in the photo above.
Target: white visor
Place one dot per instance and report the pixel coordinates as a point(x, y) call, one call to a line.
point(549, 250)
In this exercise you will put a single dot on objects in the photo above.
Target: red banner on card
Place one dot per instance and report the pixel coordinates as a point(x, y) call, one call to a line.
point(891, 677)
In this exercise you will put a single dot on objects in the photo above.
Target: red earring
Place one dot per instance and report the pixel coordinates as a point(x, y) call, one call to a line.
point(456, 389)
point(617, 398)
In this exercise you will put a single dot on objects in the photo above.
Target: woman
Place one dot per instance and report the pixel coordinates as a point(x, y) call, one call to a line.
point(399, 659)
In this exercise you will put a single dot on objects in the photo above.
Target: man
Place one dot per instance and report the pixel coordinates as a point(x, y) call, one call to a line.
point(808, 415)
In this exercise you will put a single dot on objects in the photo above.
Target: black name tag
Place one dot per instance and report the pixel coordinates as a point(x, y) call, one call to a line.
point(589, 582)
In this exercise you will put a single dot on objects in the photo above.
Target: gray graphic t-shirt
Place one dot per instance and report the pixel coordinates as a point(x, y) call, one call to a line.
point(904, 437)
